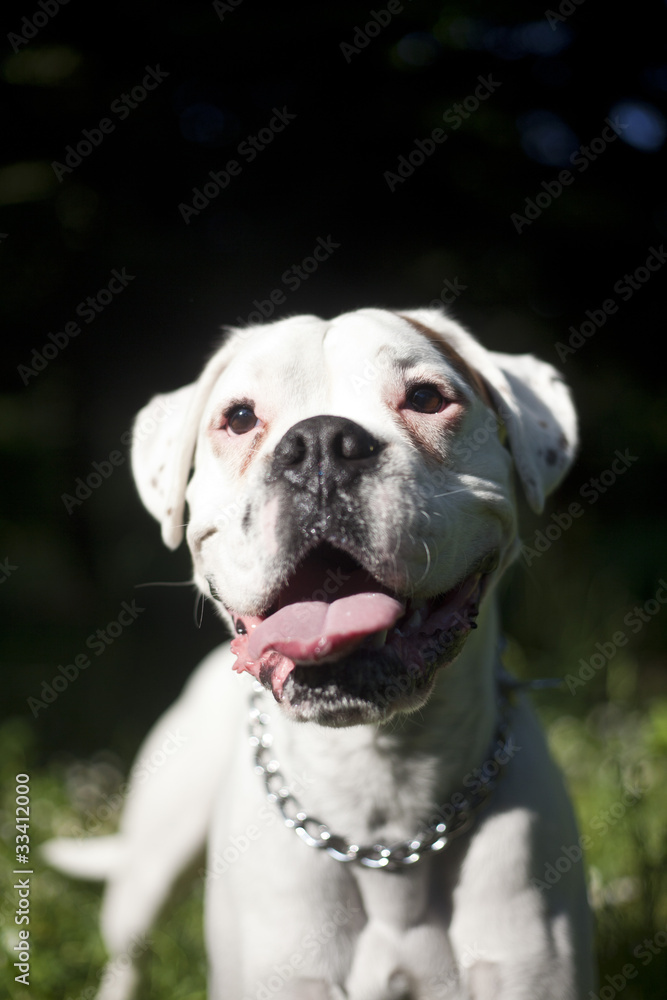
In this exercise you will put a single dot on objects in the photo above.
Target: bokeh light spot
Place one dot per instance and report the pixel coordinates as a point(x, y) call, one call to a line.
point(22, 182)
point(645, 126)
point(418, 49)
point(41, 67)
point(546, 138)
point(207, 124)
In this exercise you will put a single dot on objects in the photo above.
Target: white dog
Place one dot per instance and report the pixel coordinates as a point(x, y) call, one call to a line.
point(377, 798)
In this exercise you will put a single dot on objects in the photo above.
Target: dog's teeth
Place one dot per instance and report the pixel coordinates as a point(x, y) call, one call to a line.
point(379, 639)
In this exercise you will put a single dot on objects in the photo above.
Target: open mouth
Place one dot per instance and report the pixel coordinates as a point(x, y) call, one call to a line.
point(334, 626)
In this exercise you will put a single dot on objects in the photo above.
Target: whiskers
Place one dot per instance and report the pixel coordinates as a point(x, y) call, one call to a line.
point(450, 493)
point(428, 564)
point(199, 609)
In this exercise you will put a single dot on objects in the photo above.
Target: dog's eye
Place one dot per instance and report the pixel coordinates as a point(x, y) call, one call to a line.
point(241, 419)
point(424, 399)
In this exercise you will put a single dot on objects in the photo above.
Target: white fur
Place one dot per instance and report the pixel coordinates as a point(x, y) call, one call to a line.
point(466, 924)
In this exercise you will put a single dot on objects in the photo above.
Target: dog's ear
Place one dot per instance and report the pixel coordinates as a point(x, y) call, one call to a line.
point(162, 452)
point(530, 397)
point(164, 438)
point(535, 404)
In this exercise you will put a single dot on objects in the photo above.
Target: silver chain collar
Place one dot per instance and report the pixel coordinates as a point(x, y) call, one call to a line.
point(432, 838)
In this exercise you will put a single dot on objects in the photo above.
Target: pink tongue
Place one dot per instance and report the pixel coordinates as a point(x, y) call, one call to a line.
point(310, 630)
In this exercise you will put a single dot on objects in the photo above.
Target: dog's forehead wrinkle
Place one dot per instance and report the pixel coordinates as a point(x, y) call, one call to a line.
point(427, 365)
point(421, 353)
point(446, 347)
point(388, 340)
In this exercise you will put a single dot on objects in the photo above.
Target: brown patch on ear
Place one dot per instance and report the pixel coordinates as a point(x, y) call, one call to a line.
point(458, 363)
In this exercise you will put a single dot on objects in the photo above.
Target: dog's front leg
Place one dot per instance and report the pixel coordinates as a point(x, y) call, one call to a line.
point(403, 951)
point(395, 964)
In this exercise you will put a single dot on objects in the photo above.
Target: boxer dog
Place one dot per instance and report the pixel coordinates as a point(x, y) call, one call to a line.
point(375, 796)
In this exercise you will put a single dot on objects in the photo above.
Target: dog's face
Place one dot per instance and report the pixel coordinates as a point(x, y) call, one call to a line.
point(351, 501)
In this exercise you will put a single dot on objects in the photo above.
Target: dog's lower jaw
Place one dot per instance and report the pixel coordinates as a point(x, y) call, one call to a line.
point(365, 676)
point(368, 686)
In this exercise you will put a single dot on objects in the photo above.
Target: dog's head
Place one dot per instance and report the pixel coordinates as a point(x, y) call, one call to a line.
point(350, 496)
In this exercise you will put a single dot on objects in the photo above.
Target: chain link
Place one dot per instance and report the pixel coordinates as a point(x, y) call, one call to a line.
point(433, 838)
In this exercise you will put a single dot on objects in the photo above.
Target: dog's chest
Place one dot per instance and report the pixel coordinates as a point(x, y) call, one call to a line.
point(370, 929)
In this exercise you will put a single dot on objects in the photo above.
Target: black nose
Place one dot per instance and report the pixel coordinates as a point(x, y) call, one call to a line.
point(324, 454)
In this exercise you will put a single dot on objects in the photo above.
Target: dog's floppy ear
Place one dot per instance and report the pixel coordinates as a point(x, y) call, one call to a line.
point(162, 452)
point(532, 400)
point(164, 437)
point(540, 418)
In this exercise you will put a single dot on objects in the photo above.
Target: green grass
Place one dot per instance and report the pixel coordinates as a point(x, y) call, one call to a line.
point(67, 954)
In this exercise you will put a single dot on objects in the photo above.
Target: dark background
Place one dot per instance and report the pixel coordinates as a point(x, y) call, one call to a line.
point(66, 574)
point(322, 176)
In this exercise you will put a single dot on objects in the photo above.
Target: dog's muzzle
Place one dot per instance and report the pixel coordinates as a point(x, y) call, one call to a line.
point(337, 645)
